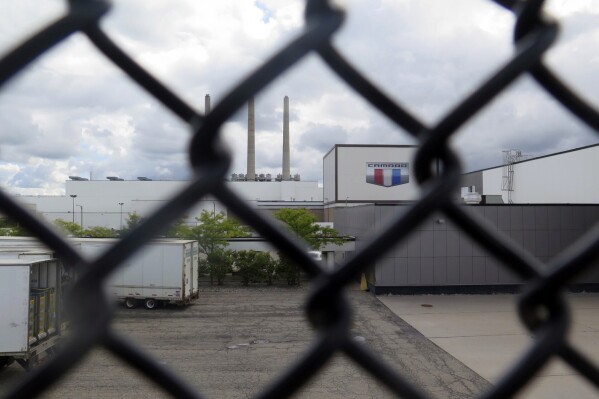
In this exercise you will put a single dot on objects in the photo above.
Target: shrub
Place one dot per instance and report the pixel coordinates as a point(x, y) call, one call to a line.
point(219, 264)
point(254, 267)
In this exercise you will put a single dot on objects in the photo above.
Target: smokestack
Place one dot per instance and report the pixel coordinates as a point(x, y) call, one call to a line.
point(207, 104)
point(286, 161)
point(251, 158)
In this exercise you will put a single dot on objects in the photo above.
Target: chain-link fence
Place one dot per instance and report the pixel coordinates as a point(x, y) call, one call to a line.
point(542, 307)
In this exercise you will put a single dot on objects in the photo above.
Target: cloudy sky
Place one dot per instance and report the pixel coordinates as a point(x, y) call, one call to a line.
point(74, 113)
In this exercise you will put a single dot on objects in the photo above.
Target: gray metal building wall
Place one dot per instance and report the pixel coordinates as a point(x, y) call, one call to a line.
point(440, 257)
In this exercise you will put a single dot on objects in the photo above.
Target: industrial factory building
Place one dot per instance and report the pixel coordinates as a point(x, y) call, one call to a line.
point(109, 202)
point(543, 204)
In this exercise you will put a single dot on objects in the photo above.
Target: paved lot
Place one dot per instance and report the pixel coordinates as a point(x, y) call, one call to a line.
point(484, 332)
point(231, 342)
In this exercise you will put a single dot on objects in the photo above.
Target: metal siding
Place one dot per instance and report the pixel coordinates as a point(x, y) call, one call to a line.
point(479, 270)
point(554, 241)
point(440, 243)
point(427, 243)
point(414, 245)
point(14, 308)
point(440, 270)
point(400, 250)
point(401, 271)
point(427, 271)
point(413, 271)
point(477, 250)
point(466, 270)
point(541, 218)
point(491, 270)
point(465, 245)
point(553, 218)
point(453, 243)
point(528, 218)
point(515, 217)
point(387, 266)
point(491, 215)
point(503, 218)
point(542, 243)
point(529, 241)
point(453, 270)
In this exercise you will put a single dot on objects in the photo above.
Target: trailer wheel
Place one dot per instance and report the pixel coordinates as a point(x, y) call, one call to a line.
point(130, 303)
point(151, 303)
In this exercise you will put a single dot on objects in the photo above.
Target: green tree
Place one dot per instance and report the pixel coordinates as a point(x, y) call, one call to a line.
point(212, 232)
point(303, 224)
point(133, 220)
point(68, 228)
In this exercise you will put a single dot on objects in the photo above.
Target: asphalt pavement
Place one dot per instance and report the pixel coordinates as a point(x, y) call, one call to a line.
point(233, 341)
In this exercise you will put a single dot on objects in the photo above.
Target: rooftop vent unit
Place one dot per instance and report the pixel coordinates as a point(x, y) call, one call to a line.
point(114, 178)
point(142, 178)
point(77, 178)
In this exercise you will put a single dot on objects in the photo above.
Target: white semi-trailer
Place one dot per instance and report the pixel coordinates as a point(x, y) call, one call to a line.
point(162, 271)
point(30, 309)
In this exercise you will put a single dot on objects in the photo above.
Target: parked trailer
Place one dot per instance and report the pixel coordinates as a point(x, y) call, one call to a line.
point(162, 271)
point(30, 309)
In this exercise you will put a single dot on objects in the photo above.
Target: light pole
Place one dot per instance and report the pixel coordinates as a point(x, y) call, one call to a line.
point(81, 206)
point(73, 196)
point(121, 204)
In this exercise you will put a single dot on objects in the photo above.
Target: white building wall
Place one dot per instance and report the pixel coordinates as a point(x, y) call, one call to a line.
point(351, 168)
point(101, 199)
point(563, 178)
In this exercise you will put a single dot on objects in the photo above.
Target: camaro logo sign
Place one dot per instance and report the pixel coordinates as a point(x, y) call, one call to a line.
point(387, 174)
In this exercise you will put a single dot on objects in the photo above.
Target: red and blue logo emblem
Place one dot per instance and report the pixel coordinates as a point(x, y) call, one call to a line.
point(387, 174)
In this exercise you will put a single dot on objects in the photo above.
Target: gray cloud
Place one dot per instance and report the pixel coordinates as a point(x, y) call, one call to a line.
point(73, 112)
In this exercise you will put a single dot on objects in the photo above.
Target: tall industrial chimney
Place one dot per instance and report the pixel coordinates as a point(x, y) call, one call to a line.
point(251, 158)
point(286, 160)
point(207, 104)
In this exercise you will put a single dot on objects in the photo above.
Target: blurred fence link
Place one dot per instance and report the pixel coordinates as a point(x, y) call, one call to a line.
point(542, 307)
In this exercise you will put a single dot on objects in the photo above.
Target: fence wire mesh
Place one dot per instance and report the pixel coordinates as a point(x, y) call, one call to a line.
point(542, 308)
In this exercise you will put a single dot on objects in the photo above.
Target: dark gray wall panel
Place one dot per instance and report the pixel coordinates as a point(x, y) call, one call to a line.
point(440, 271)
point(567, 219)
point(503, 218)
point(529, 241)
point(427, 243)
point(515, 217)
point(401, 250)
point(491, 215)
point(401, 271)
point(427, 271)
point(491, 270)
point(466, 270)
point(553, 217)
point(453, 270)
point(453, 243)
point(541, 218)
point(477, 250)
point(542, 243)
point(387, 266)
point(414, 245)
point(440, 243)
point(479, 270)
point(465, 245)
point(413, 271)
point(528, 218)
point(554, 242)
